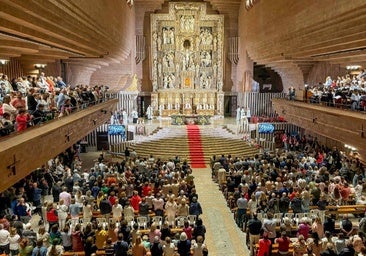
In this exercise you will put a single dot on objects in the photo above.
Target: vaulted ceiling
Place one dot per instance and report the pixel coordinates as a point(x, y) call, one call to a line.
point(98, 32)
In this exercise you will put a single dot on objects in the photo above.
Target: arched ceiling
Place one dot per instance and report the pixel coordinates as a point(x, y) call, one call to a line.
point(300, 32)
point(49, 30)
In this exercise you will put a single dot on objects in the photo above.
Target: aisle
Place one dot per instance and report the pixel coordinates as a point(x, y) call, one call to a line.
point(222, 237)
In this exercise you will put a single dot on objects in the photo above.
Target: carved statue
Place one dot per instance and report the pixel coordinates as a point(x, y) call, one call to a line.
point(205, 59)
point(187, 23)
point(171, 36)
point(206, 37)
point(165, 36)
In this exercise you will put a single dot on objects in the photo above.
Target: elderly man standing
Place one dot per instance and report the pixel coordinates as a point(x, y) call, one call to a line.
point(242, 204)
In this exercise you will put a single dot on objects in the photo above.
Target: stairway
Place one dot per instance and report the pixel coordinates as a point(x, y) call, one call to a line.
point(196, 154)
point(173, 141)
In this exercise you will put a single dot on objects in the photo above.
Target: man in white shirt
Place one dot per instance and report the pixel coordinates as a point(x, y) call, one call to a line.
point(158, 204)
point(4, 240)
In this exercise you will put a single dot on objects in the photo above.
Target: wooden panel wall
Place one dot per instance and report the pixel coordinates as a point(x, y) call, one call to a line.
point(24, 152)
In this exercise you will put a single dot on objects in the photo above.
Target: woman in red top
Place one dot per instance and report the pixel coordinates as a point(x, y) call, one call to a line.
point(135, 201)
point(22, 120)
point(283, 243)
point(77, 241)
point(264, 246)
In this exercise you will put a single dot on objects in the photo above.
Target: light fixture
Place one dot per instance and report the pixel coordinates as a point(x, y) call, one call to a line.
point(3, 62)
point(353, 67)
point(40, 66)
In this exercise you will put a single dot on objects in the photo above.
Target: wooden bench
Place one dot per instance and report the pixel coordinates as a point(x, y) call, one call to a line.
point(82, 253)
point(275, 248)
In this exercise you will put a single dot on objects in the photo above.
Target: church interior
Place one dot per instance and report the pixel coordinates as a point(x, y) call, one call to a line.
point(159, 66)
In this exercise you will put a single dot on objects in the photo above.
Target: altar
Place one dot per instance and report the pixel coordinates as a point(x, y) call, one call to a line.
point(191, 119)
point(187, 61)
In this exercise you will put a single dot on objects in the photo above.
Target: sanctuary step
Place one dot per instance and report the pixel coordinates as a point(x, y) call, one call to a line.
point(169, 142)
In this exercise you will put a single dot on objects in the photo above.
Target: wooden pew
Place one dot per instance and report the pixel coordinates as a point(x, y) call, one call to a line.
point(99, 253)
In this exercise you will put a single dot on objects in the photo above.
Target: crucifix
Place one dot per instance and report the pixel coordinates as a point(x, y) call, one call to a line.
point(67, 136)
point(12, 167)
point(362, 131)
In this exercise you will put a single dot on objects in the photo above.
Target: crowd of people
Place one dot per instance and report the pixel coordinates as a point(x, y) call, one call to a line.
point(346, 91)
point(80, 209)
point(30, 101)
point(270, 192)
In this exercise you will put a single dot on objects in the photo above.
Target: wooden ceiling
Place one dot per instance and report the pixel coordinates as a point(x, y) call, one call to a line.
point(301, 32)
point(307, 31)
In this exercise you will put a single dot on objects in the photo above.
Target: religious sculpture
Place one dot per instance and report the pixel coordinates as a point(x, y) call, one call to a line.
point(187, 57)
point(187, 23)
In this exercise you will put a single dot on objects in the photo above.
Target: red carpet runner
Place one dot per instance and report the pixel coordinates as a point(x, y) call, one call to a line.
point(195, 147)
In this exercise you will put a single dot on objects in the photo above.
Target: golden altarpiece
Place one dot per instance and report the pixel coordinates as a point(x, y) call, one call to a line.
point(187, 61)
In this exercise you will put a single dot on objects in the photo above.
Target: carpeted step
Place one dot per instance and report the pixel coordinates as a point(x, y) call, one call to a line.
point(196, 154)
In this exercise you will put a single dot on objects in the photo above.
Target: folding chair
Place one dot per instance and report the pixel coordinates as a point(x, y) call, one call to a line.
point(130, 220)
point(192, 219)
point(142, 222)
point(180, 221)
point(158, 220)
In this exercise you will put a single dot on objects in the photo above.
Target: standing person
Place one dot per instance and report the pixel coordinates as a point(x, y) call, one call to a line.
point(238, 115)
point(149, 112)
point(199, 230)
point(195, 207)
point(14, 240)
point(168, 247)
point(66, 196)
point(171, 208)
point(264, 246)
point(39, 250)
point(117, 211)
point(105, 208)
point(138, 248)
point(300, 247)
point(269, 227)
point(74, 211)
point(127, 153)
point(22, 120)
point(283, 243)
point(62, 214)
point(25, 248)
point(158, 204)
point(242, 204)
point(254, 227)
point(77, 241)
point(52, 215)
point(198, 247)
point(184, 245)
point(121, 246)
point(4, 240)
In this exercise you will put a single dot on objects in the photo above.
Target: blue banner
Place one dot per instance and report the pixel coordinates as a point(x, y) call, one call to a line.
point(265, 128)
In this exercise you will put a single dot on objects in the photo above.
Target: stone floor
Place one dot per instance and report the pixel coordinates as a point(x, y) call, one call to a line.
point(223, 237)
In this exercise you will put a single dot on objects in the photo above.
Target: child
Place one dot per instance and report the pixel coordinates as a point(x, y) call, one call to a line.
point(14, 239)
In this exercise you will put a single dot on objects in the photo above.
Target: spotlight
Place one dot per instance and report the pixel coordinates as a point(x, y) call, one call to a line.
point(40, 66)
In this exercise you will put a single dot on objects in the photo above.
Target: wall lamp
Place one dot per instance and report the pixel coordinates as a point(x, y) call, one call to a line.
point(3, 62)
point(40, 66)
